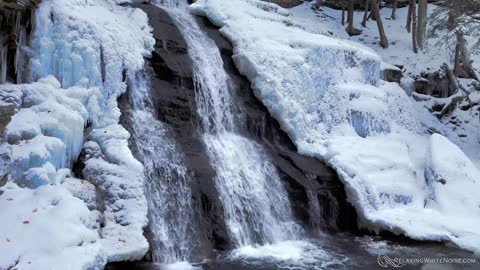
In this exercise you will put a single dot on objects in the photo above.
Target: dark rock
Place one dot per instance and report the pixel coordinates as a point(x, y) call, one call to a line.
point(392, 75)
point(435, 84)
point(286, 3)
point(6, 113)
point(15, 21)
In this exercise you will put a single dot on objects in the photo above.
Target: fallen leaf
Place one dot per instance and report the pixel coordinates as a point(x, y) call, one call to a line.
point(9, 199)
point(35, 210)
point(29, 262)
point(26, 222)
point(121, 240)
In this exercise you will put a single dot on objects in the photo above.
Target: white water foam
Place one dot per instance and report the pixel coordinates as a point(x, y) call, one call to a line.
point(289, 255)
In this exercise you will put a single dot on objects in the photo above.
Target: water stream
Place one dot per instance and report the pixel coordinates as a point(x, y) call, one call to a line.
point(256, 205)
point(168, 182)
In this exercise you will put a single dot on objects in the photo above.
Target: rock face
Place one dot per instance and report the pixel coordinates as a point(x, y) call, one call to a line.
point(6, 113)
point(435, 84)
point(15, 28)
point(19, 4)
point(392, 75)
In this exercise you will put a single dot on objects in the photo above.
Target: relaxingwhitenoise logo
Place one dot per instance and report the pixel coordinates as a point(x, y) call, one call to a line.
point(385, 261)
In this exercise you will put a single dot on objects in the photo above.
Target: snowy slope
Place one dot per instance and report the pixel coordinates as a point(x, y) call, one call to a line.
point(82, 53)
point(328, 96)
point(438, 50)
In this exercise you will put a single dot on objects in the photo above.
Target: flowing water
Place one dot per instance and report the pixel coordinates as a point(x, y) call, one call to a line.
point(256, 205)
point(168, 182)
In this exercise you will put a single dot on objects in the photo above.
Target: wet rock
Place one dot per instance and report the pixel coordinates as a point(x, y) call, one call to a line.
point(6, 113)
point(286, 3)
point(393, 74)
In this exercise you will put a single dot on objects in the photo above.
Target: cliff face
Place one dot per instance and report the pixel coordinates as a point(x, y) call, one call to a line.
point(15, 29)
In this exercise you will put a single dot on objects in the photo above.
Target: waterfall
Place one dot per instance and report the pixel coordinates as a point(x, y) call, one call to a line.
point(168, 182)
point(256, 205)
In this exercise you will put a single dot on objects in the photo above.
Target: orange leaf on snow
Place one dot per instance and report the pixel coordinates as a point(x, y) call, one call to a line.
point(26, 222)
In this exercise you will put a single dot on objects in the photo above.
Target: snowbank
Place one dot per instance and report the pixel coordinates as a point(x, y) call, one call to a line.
point(83, 52)
point(47, 228)
point(328, 96)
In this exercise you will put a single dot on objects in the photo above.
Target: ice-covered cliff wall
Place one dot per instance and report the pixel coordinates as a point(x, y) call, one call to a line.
point(328, 96)
point(81, 54)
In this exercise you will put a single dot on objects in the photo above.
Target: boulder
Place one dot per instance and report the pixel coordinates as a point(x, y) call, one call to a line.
point(6, 113)
point(392, 74)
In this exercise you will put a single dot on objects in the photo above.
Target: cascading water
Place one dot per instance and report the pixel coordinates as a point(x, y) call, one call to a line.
point(256, 205)
point(168, 182)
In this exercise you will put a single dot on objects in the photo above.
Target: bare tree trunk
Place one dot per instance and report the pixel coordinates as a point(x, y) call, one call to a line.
point(456, 66)
point(381, 31)
point(343, 12)
point(394, 9)
point(414, 26)
point(467, 62)
point(350, 17)
point(365, 14)
point(409, 16)
point(422, 23)
point(372, 14)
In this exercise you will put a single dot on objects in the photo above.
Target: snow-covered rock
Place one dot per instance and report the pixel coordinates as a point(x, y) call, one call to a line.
point(327, 95)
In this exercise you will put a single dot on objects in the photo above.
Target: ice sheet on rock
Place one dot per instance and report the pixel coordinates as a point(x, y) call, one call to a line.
point(47, 129)
point(327, 95)
point(452, 177)
point(119, 177)
point(89, 42)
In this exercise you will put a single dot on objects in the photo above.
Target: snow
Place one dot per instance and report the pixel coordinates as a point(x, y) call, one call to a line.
point(31, 218)
point(439, 49)
point(83, 52)
point(327, 95)
point(400, 52)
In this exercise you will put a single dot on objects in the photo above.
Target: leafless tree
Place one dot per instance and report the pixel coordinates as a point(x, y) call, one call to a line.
point(394, 9)
point(378, 18)
point(365, 14)
point(422, 23)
